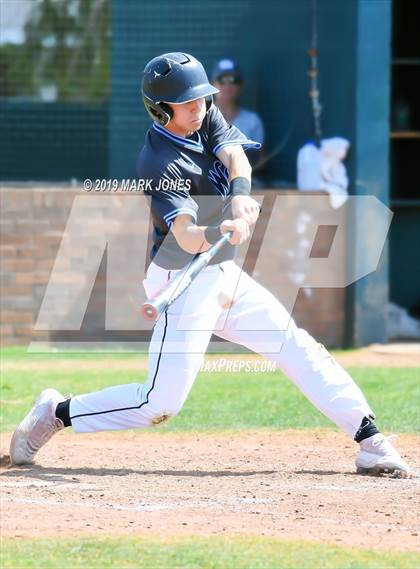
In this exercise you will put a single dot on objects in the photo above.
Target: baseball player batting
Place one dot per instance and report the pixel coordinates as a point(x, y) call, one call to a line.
point(193, 150)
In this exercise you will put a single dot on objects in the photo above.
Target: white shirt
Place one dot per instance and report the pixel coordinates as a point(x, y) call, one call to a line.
point(250, 124)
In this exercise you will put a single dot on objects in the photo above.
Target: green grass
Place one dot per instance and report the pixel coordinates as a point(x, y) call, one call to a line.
point(196, 552)
point(218, 401)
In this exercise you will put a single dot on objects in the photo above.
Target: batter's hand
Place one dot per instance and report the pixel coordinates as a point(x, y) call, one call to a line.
point(245, 207)
point(240, 229)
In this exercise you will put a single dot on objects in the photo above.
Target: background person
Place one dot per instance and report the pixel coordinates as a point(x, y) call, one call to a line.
point(228, 79)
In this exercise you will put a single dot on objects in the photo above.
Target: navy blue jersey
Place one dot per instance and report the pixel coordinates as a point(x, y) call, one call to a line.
point(181, 174)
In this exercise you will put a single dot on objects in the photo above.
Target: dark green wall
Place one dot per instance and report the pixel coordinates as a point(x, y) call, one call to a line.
point(405, 256)
point(269, 38)
point(53, 141)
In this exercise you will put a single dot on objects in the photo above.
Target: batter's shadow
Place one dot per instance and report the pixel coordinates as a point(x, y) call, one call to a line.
point(61, 474)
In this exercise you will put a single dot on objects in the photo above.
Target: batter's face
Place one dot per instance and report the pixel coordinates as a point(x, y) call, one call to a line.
point(188, 117)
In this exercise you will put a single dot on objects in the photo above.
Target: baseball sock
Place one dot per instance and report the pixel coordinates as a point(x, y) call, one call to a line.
point(62, 412)
point(367, 429)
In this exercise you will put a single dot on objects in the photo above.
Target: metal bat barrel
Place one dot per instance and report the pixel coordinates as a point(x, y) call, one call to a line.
point(152, 309)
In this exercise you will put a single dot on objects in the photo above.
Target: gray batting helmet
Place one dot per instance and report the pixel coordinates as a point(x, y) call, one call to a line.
point(173, 78)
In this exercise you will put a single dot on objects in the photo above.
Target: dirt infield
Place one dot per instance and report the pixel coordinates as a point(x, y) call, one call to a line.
point(290, 484)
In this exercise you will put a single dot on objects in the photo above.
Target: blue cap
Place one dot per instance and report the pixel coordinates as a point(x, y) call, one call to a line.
point(226, 66)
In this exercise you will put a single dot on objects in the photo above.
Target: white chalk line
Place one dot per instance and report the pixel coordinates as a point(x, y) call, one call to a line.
point(209, 504)
point(142, 506)
point(364, 485)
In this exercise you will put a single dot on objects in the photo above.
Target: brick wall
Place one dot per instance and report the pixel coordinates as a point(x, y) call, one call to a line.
point(32, 223)
point(33, 220)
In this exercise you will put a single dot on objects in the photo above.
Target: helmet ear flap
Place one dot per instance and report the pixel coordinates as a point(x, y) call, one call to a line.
point(159, 112)
point(168, 112)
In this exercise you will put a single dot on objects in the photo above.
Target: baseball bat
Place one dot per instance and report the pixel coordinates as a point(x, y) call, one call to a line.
point(152, 309)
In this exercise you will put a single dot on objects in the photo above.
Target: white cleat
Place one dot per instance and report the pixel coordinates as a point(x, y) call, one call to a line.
point(36, 429)
point(378, 456)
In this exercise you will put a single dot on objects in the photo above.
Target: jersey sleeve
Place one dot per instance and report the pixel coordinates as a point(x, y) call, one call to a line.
point(221, 133)
point(170, 197)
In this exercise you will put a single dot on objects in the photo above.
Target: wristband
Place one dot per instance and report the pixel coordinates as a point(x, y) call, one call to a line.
point(240, 186)
point(212, 234)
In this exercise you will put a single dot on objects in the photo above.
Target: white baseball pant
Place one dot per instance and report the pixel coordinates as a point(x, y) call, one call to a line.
point(226, 301)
